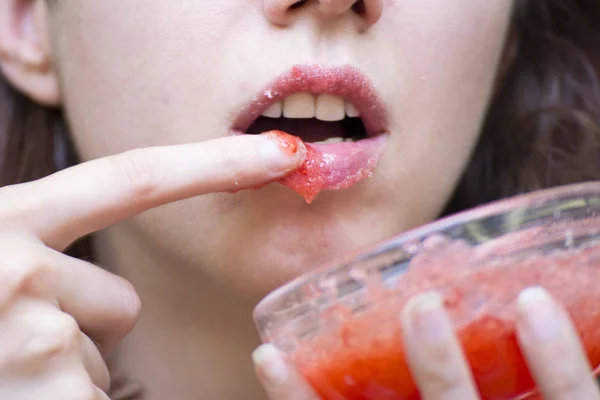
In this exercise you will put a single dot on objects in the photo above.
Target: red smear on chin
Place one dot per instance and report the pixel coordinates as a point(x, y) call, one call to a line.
point(332, 166)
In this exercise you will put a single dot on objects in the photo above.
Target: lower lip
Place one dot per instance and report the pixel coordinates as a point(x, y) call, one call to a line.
point(331, 166)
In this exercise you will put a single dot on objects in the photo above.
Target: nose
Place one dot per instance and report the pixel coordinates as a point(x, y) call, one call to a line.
point(284, 12)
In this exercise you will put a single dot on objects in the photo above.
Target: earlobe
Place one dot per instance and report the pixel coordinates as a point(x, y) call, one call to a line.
point(25, 58)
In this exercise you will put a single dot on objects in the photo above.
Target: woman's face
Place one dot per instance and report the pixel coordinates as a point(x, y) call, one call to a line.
point(153, 72)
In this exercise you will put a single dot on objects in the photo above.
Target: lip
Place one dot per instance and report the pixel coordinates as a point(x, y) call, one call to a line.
point(343, 81)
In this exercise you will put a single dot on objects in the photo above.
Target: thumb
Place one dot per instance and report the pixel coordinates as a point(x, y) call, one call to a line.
point(280, 379)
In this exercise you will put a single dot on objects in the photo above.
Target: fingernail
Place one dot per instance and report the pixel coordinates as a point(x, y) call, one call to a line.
point(539, 314)
point(271, 363)
point(282, 153)
point(426, 317)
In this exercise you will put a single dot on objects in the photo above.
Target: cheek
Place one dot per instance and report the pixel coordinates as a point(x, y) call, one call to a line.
point(447, 63)
point(142, 76)
point(445, 67)
point(446, 59)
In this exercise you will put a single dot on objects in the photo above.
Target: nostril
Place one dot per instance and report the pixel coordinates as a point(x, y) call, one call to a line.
point(285, 12)
point(298, 4)
point(359, 7)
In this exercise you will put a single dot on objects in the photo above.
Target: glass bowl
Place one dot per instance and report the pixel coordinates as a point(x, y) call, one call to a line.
point(339, 324)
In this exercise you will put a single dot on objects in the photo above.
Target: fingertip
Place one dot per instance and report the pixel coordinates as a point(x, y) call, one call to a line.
point(282, 152)
point(538, 316)
point(280, 379)
point(423, 302)
point(264, 353)
point(532, 296)
point(424, 314)
point(270, 364)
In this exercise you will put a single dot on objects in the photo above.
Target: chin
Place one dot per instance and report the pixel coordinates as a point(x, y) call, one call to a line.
point(267, 262)
point(270, 270)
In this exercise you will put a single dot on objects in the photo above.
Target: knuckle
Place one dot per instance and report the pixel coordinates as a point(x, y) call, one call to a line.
point(9, 204)
point(20, 206)
point(58, 335)
point(141, 172)
point(22, 270)
point(233, 165)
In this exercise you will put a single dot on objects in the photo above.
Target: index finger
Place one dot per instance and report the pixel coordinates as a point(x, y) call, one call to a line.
point(91, 196)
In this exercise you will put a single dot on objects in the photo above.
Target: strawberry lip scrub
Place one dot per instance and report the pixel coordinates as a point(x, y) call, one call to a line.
point(329, 166)
point(339, 325)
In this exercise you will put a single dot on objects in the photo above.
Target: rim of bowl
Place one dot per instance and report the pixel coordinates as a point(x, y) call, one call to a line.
point(270, 303)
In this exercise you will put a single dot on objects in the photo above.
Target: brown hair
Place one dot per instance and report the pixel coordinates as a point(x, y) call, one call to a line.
point(543, 124)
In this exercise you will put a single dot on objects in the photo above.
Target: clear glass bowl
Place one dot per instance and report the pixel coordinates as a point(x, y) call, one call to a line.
point(337, 324)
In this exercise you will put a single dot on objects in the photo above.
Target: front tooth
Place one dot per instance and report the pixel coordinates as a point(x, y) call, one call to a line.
point(274, 111)
point(299, 105)
point(351, 111)
point(329, 108)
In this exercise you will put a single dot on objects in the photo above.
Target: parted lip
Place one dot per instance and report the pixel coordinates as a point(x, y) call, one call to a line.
point(342, 81)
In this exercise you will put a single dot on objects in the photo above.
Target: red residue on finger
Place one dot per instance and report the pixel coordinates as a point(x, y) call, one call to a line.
point(288, 143)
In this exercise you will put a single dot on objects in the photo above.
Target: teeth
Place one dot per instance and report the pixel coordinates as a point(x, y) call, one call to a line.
point(331, 140)
point(299, 105)
point(274, 111)
point(329, 108)
point(351, 111)
point(324, 107)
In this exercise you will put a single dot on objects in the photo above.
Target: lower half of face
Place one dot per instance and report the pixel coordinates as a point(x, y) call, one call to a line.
point(145, 73)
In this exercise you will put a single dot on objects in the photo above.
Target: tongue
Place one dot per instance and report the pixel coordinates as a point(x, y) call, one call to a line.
point(330, 166)
point(310, 130)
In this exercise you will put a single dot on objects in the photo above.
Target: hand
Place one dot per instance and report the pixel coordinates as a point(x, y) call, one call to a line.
point(547, 338)
point(59, 316)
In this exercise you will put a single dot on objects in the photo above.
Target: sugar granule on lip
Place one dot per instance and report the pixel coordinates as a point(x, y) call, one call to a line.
point(329, 166)
point(342, 81)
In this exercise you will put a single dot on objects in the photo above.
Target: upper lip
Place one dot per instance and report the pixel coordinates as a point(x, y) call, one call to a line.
point(343, 81)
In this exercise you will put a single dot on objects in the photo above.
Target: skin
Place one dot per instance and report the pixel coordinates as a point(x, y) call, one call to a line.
point(149, 74)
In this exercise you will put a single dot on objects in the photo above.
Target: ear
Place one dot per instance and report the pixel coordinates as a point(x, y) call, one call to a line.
point(25, 58)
